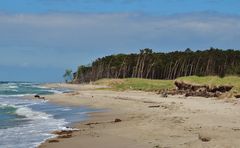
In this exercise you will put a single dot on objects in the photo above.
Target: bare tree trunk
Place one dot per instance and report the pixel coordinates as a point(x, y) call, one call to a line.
point(149, 70)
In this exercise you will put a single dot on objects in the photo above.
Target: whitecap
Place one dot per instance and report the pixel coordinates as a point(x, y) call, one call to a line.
point(13, 86)
point(32, 133)
point(29, 113)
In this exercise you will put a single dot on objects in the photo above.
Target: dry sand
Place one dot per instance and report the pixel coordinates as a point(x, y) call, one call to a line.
point(148, 120)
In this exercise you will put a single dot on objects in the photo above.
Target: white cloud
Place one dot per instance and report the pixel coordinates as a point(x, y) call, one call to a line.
point(81, 37)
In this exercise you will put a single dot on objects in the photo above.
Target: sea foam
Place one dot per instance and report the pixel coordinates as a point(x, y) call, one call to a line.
point(31, 133)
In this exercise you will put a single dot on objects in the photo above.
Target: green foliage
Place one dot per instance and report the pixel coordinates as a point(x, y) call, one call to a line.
point(157, 65)
point(80, 75)
point(68, 76)
point(153, 85)
point(137, 84)
point(145, 84)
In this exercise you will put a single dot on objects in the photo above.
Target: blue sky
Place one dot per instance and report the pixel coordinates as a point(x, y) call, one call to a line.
point(39, 39)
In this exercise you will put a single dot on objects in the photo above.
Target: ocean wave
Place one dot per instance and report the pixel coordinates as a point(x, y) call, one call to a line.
point(13, 86)
point(39, 86)
point(20, 89)
point(8, 87)
point(31, 133)
point(18, 95)
point(55, 91)
point(31, 120)
point(5, 106)
point(27, 112)
point(66, 109)
point(33, 115)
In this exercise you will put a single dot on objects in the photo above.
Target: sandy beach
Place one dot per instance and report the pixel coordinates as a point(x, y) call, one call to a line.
point(135, 119)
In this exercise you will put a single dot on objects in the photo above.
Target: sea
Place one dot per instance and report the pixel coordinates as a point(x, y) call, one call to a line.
point(26, 123)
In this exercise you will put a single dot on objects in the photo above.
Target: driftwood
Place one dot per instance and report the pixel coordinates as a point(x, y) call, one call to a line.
point(187, 89)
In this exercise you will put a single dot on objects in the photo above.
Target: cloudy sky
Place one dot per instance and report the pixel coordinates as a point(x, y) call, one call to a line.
point(39, 39)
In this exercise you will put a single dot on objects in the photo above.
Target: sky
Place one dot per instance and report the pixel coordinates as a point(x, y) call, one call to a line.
point(39, 39)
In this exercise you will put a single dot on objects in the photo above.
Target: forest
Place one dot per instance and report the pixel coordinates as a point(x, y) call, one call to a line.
point(159, 65)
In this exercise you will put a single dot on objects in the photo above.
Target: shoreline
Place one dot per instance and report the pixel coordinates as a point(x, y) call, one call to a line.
point(103, 116)
point(148, 120)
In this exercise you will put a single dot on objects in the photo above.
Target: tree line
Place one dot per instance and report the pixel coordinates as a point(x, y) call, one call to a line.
point(158, 65)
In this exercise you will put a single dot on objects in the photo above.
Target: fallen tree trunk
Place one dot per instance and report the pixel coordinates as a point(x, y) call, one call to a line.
point(194, 87)
point(199, 90)
point(185, 86)
point(221, 88)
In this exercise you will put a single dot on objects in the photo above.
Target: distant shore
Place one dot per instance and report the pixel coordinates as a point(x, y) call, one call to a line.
point(135, 119)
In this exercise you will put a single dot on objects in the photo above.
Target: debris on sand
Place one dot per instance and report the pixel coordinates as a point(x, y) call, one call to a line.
point(53, 141)
point(154, 106)
point(65, 136)
point(237, 96)
point(39, 97)
point(64, 133)
point(117, 120)
point(187, 89)
point(92, 123)
point(204, 138)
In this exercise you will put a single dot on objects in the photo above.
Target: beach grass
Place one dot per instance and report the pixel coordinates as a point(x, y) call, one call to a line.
point(153, 85)
point(137, 84)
